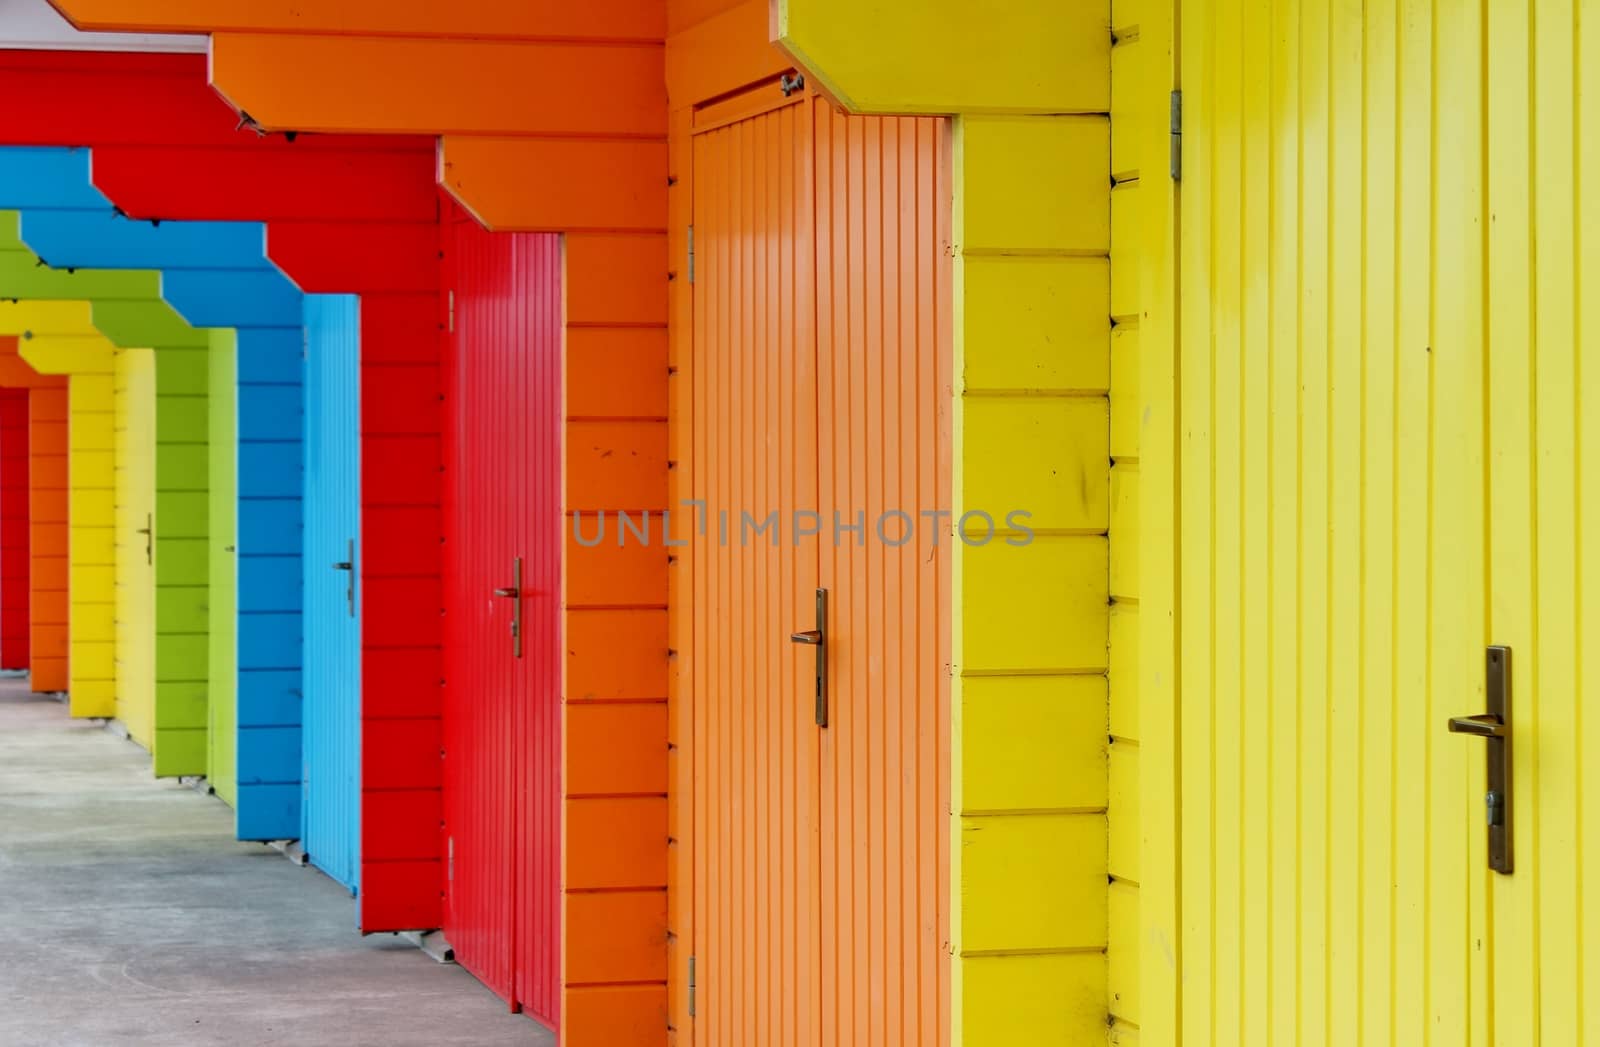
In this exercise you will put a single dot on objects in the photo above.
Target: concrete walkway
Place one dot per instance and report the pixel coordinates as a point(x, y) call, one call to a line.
point(130, 915)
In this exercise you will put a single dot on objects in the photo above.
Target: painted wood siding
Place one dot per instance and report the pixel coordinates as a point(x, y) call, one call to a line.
point(400, 552)
point(47, 542)
point(223, 535)
point(268, 413)
point(13, 529)
point(1031, 623)
point(1141, 314)
point(182, 558)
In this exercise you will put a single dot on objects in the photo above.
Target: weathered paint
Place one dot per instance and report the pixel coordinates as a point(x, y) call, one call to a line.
point(330, 799)
point(1031, 626)
point(222, 657)
point(13, 528)
point(59, 338)
point(502, 717)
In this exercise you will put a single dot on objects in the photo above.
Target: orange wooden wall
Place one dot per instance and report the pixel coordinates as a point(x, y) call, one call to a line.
point(47, 513)
point(615, 623)
point(47, 538)
point(13, 529)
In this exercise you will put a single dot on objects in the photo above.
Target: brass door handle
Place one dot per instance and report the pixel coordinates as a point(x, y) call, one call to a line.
point(1494, 727)
point(818, 638)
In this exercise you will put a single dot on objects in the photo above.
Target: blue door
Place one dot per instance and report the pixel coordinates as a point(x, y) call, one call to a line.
point(331, 777)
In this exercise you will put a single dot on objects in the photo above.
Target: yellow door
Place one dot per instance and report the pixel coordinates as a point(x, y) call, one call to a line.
point(1334, 515)
point(136, 594)
point(1543, 541)
point(1388, 462)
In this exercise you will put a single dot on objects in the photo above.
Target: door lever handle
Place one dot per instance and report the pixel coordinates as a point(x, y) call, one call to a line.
point(818, 638)
point(350, 586)
point(1484, 726)
point(149, 532)
point(1494, 727)
point(514, 592)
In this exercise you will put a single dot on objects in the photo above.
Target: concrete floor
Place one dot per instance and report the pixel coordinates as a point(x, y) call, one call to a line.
point(130, 915)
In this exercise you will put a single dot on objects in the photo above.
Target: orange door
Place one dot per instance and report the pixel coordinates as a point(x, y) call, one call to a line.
point(820, 374)
point(756, 803)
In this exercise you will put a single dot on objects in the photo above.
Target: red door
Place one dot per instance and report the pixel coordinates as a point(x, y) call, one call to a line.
point(503, 571)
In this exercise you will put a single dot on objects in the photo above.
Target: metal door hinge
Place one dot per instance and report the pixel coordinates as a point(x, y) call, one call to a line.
point(451, 322)
point(691, 986)
point(691, 254)
point(1175, 131)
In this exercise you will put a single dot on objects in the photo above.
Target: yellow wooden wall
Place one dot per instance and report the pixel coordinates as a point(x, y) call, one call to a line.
point(1032, 285)
point(135, 423)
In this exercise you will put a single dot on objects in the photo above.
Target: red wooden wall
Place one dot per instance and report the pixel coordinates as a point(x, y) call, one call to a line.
point(13, 529)
point(402, 596)
point(503, 712)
